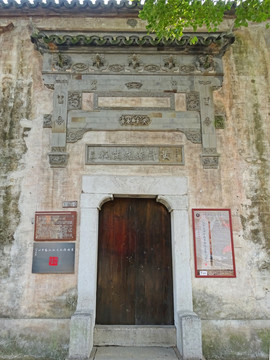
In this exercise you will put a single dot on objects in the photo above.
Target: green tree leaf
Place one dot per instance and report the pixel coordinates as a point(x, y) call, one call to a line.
point(168, 18)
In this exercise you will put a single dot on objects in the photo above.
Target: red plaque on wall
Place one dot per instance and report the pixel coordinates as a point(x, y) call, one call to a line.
point(55, 225)
point(213, 243)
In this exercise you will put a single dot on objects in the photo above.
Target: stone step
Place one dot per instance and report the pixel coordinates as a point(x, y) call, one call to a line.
point(129, 335)
point(134, 353)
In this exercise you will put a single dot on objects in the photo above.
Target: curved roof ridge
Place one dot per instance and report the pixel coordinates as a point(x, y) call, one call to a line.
point(27, 4)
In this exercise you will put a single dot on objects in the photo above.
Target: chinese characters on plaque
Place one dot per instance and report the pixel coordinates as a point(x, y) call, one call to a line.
point(134, 155)
point(213, 243)
point(53, 258)
point(53, 255)
point(55, 225)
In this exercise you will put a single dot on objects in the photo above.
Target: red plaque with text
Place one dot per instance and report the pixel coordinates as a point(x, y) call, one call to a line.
point(213, 243)
point(55, 225)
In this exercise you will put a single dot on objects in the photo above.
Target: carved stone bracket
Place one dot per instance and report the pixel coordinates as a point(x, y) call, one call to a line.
point(194, 136)
point(75, 135)
point(58, 159)
point(210, 161)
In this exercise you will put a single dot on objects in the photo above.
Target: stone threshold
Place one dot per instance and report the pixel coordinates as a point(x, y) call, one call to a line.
point(129, 335)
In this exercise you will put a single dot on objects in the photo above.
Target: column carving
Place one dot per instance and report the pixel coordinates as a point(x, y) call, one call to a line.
point(209, 154)
point(58, 156)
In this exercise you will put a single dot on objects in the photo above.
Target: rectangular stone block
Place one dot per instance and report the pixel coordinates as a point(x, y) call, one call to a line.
point(180, 102)
point(87, 101)
point(81, 336)
point(189, 337)
point(134, 102)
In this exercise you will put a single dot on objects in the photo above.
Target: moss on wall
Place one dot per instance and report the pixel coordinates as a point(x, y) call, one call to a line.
point(33, 347)
point(235, 344)
point(15, 104)
point(251, 64)
point(207, 306)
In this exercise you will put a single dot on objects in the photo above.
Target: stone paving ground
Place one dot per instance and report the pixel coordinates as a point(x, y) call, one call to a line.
point(134, 353)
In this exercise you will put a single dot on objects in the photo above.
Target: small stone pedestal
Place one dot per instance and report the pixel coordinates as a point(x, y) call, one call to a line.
point(81, 336)
point(189, 336)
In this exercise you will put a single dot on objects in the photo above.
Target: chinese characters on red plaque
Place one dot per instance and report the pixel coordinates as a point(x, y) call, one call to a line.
point(55, 225)
point(51, 254)
point(213, 243)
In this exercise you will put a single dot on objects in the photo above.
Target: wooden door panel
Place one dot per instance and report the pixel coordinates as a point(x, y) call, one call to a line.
point(153, 297)
point(134, 263)
point(116, 273)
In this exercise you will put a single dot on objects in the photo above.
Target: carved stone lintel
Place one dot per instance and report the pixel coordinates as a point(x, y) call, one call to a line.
point(193, 101)
point(194, 136)
point(58, 159)
point(47, 121)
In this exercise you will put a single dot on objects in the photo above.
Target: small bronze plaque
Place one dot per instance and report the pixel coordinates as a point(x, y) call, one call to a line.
point(53, 258)
point(55, 225)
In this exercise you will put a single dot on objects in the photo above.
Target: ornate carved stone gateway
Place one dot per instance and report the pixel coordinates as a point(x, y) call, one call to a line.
point(121, 82)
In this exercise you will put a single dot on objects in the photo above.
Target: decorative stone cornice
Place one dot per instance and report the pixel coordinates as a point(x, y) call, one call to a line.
point(213, 43)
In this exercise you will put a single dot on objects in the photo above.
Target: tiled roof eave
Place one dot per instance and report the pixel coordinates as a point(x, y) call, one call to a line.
point(213, 43)
point(72, 8)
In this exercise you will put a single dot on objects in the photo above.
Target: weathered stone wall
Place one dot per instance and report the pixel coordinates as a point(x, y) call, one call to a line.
point(228, 307)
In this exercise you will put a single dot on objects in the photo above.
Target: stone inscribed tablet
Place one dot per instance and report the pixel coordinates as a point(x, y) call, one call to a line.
point(53, 258)
point(134, 155)
point(55, 225)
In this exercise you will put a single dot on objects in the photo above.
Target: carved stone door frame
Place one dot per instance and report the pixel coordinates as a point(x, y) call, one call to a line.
point(170, 191)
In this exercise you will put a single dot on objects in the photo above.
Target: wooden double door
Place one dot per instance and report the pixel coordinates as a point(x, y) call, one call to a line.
point(134, 263)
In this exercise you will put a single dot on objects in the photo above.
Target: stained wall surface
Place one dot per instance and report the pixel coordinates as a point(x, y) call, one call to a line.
point(234, 311)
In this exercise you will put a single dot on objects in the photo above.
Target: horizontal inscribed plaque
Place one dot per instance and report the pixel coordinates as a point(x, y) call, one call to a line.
point(53, 258)
point(134, 155)
point(213, 243)
point(55, 225)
